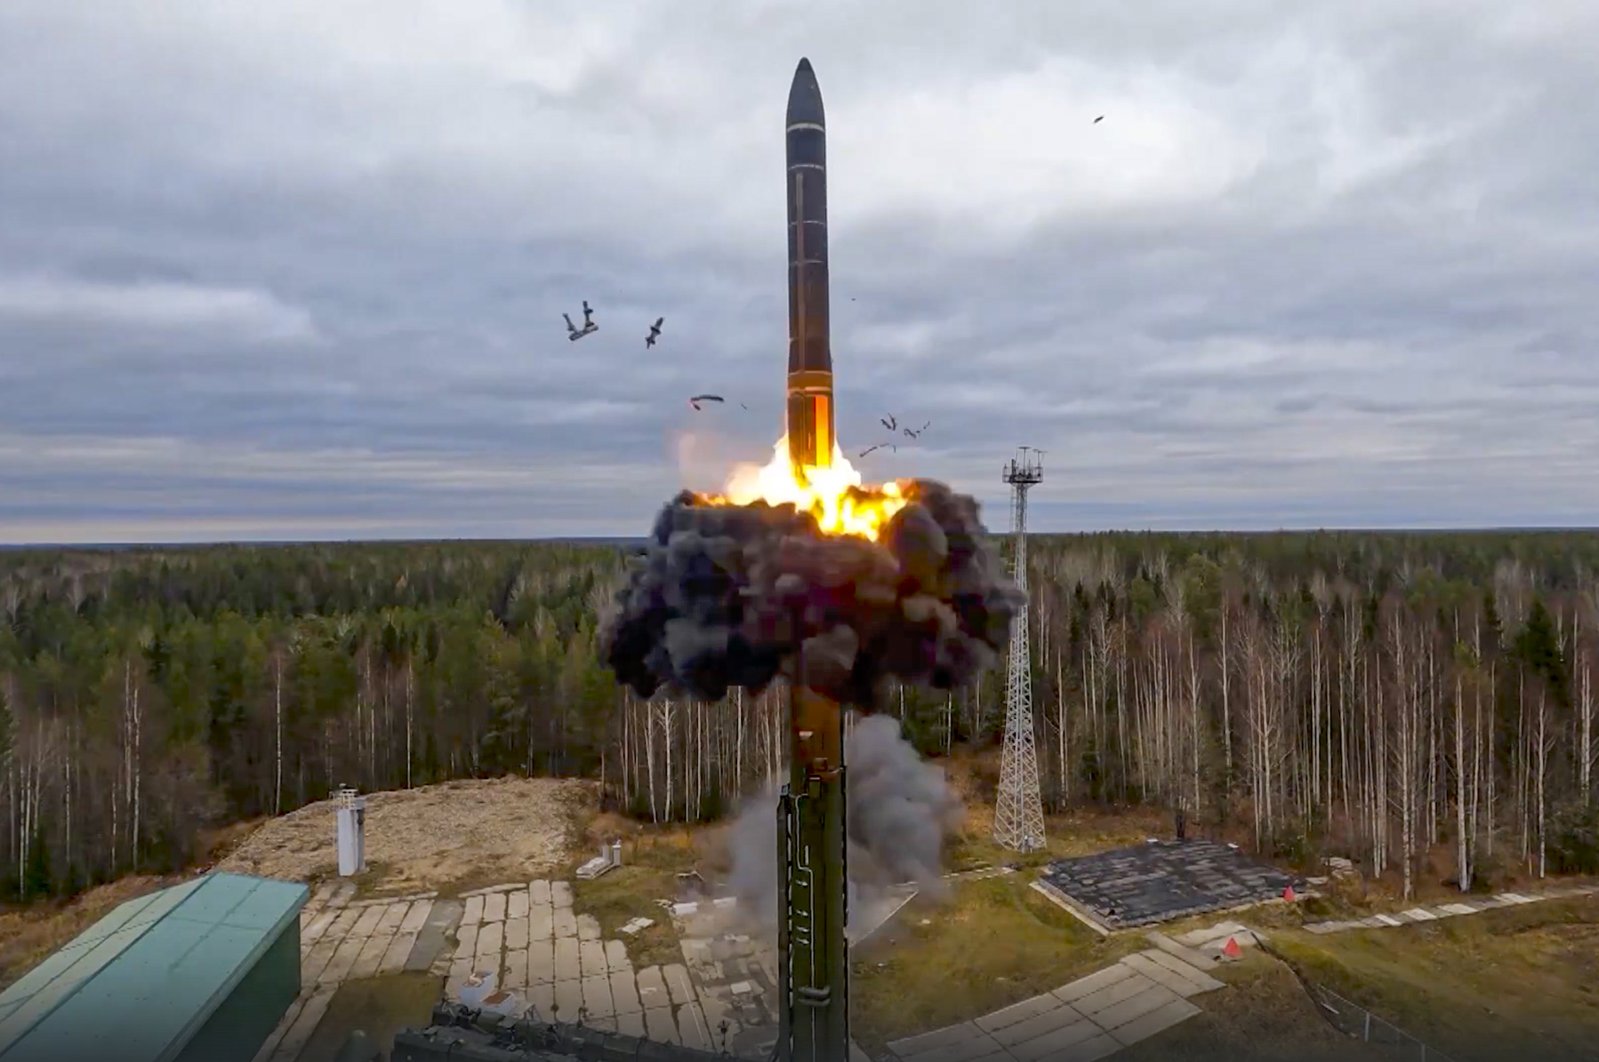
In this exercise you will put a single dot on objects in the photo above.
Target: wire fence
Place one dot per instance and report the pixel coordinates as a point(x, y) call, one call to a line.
point(1354, 1020)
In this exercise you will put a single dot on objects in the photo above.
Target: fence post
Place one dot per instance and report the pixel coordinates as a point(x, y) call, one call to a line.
point(1367, 1013)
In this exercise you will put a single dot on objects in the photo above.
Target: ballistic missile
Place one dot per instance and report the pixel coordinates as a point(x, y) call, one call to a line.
point(810, 357)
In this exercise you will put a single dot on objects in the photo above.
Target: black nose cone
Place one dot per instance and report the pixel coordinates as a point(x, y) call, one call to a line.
point(805, 96)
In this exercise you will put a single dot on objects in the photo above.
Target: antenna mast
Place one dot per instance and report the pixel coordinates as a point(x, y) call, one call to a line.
point(1019, 814)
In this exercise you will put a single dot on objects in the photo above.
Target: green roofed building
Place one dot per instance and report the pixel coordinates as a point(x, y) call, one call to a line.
point(200, 971)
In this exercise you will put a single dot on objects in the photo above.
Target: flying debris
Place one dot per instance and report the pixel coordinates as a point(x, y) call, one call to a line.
point(742, 406)
point(916, 433)
point(1101, 118)
point(697, 399)
point(575, 333)
point(879, 446)
point(888, 422)
point(655, 332)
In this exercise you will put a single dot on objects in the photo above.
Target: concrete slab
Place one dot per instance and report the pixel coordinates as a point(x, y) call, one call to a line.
point(371, 957)
point(1458, 909)
point(661, 1027)
point(678, 983)
point(515, 969)
point(597, 996)
point(316, 960)
point(541, 962)
point(631, 1023)
point(432, 941)
point(1018, 1012)
point(472, 913)
point(1192, 956)
point(516, 904)
point(540, 922)
point(591, 958)
point(368, 921)
point(538, 893)
point(416, 916)
point(565, 923)
point(299, 1033)
point(652, 988)
point(912, 1046)
point(393, 915)
point(624, 992)
point(542, 999)
point(561, 893)
point(398, 954)
point(1388, 920)
point(1040, 1024)
point(1419, 914)
point(314, 929)
point(1092, 1004)
point(1220, 931)
point(1157, 1020)
point(1147, 964)
point(490, 938)
point(1084, 986)
point(567, 966)
point(494, 907)
point(338, 967)
point(343, 923)
point(568, 1000)
point(460, 970)
point(516, 934)
point(588, 927)
point(1055, 1042)
point(979, 1050)
point(616, 958)
point(1148, 1001)
point(691, 1027)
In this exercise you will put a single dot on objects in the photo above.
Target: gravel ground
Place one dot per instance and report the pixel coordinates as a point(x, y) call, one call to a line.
point(457, 834)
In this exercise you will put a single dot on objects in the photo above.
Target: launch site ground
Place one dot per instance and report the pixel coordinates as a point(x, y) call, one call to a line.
point(1510, 973)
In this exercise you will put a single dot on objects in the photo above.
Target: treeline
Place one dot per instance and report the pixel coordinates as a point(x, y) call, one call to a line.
point(1371, 694)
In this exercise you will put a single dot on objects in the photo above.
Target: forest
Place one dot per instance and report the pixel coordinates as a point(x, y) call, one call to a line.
point(1379, 695)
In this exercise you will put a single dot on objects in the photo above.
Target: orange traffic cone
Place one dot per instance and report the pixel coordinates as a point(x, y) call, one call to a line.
point(1231, 948)
point(1288, 894)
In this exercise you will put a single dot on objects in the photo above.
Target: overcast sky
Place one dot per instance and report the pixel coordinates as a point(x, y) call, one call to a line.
point(296, 269)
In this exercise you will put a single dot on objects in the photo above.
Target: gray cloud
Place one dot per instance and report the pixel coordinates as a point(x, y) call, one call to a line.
point(291, 269)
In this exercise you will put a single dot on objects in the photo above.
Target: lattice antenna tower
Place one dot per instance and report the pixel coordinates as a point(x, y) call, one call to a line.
point(1019, 815)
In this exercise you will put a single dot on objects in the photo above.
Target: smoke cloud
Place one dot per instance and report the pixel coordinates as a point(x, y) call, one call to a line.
point(900, 810)
point(724, 596)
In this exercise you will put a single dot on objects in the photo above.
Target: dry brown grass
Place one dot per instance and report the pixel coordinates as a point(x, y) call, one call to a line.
point(453, 835)
point(29, 934)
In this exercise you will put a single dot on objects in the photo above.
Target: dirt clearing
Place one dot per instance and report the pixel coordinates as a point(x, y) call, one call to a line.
point(452, 835)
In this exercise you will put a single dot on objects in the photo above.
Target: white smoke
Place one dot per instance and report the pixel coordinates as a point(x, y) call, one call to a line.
point(900, 810)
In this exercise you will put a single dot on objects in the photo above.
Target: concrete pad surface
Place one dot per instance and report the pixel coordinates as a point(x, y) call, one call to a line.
point(1157, 1020)
point(1052, 1044)
point(1083, 986)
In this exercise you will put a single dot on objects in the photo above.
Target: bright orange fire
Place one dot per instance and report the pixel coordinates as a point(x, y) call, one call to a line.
point(833, 495)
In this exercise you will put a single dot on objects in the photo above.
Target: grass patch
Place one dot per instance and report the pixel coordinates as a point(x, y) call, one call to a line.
point(651, 862)
point(29, 934)
point(1263, 1013)
point(1513, 982)
point(994, 942)
point(379, 1007)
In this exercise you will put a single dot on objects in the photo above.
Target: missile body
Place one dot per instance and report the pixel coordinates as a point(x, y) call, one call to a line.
point(810, 357)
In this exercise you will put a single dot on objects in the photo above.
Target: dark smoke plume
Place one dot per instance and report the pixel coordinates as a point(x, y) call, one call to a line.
point(900, 810)
point(723, 596)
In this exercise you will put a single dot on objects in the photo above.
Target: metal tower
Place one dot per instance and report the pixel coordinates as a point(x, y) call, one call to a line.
point(1019, 814)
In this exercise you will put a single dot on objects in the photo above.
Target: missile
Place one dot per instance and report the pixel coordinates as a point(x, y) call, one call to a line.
point(810, 357)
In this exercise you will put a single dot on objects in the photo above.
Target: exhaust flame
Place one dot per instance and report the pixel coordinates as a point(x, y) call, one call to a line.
point(833, 494)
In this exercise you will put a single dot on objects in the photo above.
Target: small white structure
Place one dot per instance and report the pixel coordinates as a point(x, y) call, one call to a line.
point(610, 858)
point(350, 813)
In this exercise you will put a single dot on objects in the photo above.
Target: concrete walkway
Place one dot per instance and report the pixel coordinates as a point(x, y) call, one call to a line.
point(1077, 1022)
point(1467, 905)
